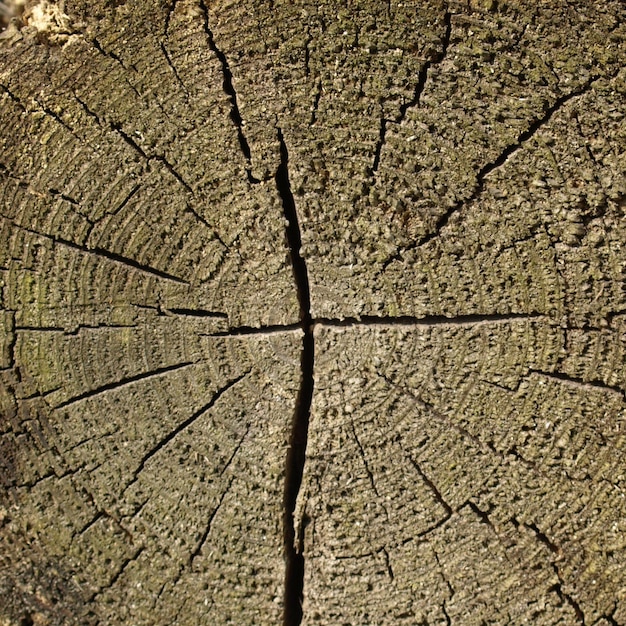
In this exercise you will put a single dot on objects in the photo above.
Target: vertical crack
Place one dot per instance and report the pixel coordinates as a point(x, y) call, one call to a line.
point(423, 74)
point(294, 558)
point(229, 90)
point(417, 93)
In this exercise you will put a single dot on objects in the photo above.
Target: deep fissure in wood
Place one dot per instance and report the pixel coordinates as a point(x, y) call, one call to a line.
point(229, 90)
point(294, 558)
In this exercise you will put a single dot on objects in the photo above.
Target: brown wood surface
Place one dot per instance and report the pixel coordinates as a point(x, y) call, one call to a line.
point(312, 312)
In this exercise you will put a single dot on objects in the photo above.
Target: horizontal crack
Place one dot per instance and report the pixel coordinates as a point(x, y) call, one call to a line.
point(428, 320)
point(579, 383)
point(196, 313)
point(239, 331)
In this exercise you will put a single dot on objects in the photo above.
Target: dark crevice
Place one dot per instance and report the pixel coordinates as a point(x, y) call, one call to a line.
point(196, 313)
point(118, 258)
point(168, 58)
point(229, 90)
point(13, 97)
point(543, 538)
point(121, 383)
point(183, 426)
point(502, 159)
point(387, 563)
point(445, 614)
point(11, 343)
point(107, 254)
point(119, 572)
point(379, 144)
point(108, 53)
point(482, 515)
point(112, 55)
point(567, 599)
point(43, 108)
point(238, 331)
point(101, 514)
point(294, 237)
point(126, 200)
point(579, 382)
point(431, 485)
point(207, 531)
point(294, 558)
point(170, 62)
point(57, 193)
point(316, 102)
point(117, 128)
point(482, 174)
point(168, 18)
point(430, 529)
point(58, 119)
point(417, 94)
point(428, 320)
point(368, 471)
point(440, 417)
point(307, 53)
point(423, 74)
point(161, 159)
point(235, 451)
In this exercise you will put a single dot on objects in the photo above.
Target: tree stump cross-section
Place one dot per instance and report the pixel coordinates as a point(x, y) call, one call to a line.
point(312, 312)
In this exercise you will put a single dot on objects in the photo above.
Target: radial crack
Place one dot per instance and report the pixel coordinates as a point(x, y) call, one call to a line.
point(296, 455)
point(580, 383)
point(107, 254)
point(157, 157)
point(229, 90)
point(431, 485)
point(207, 530)
point(428, 320)
point(119, 572)
point(170, 62)
point(567, 598)
point(125, 201)
point(122, 383)
point(417, 94)
point(440, 417)
point(502, 158)
point(183, 426)
point(368, 471)
point(117, 129)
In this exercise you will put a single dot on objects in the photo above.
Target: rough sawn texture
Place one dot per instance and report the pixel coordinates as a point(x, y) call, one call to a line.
point(313, 312)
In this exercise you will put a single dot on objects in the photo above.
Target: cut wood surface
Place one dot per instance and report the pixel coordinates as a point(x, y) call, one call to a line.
point(312, 313)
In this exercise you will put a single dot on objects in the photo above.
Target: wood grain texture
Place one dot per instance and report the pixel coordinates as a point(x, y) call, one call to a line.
point(312, 312)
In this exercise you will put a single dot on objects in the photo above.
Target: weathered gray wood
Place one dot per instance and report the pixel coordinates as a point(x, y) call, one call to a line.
point(312, 305)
